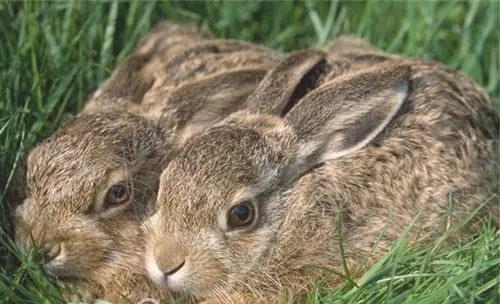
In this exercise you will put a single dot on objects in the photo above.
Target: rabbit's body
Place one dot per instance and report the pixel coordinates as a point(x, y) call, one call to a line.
point(142, 83)
point(135, 76)
point(379, 141)
point(213, 63)
point(88, 187)
point(437, 155)
point(243, 67)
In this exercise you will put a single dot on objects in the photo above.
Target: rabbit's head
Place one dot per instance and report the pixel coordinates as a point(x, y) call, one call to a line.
point(87, 187)
point(221, 199)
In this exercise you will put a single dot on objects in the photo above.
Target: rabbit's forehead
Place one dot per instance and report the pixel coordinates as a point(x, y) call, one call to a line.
point(215, 167)
point(67, 180)
point(221, 154)
point(72, 192)
point(60, 164)
point(211, 183)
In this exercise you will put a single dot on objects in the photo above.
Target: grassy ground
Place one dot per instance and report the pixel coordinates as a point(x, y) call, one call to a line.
point(53, 54)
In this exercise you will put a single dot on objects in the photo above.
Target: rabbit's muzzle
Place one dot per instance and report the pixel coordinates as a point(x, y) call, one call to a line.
point(34, 241)
point(167, 264)
point(64, 252)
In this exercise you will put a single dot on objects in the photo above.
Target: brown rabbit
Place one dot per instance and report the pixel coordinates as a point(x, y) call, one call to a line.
point(374, 141)
point(89, 186)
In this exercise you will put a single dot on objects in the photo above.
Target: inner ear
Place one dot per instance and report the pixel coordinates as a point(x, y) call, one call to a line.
point(306, 84)
point(287, 83)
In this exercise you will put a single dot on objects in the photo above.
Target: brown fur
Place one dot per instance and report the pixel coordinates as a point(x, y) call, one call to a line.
point(126, 132)
point(348, 149)
point(134, 77)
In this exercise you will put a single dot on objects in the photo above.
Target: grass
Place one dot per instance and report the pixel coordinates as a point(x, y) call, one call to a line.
point(54, 54)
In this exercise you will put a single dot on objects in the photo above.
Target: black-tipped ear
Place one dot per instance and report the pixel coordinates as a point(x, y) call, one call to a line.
point(344, 115)
point(199, 104)
point(285, 84)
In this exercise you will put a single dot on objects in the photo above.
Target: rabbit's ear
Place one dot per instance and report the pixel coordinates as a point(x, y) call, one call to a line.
point(286, 83)
point(344, 115)
point(131, 80)
point(199, 104)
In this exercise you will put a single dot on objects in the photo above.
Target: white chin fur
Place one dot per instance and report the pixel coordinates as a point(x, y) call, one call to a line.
point(176, 282)
point(155, 274)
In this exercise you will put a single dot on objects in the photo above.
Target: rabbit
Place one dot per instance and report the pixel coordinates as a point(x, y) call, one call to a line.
point(86, 190)
point(343, 145)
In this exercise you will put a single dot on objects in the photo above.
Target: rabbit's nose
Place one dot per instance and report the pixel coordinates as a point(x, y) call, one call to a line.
point(170, 259)
point(50, 252)
point(173, 269)
point(171, 264)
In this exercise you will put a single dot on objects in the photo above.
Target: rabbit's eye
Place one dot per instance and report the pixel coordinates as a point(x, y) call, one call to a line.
point(240, 215)
point(117, 195)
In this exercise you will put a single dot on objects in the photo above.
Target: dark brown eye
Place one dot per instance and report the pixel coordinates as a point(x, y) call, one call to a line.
point(117, 195)
point(241, 215)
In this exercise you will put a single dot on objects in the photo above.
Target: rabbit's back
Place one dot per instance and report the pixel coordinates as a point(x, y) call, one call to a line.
point(169, 56)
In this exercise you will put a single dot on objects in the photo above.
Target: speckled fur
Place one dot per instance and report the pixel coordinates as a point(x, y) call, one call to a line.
point(128, 130)
point(439, 150)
